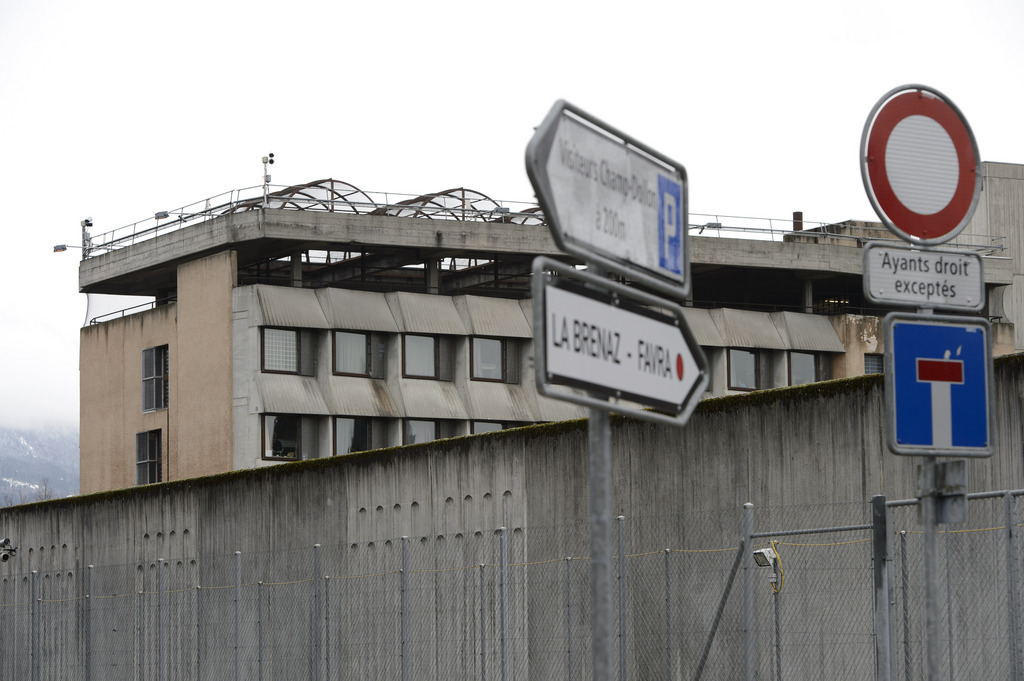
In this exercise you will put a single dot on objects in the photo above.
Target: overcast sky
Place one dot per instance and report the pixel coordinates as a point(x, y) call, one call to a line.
point(116, 110)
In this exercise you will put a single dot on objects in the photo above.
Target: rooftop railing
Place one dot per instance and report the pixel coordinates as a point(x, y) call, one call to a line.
point(471, 206)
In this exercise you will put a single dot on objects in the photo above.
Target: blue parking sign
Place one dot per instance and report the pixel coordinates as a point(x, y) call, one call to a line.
point(670, 225)
point(938, 385)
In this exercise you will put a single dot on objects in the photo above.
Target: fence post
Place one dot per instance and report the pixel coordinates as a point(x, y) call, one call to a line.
point(405, 609)
point(161, 613)
point(238, 616)
point(776, 606)
point(1013, 588)
point(36, 661)
point(880, 560)
point(748, 591)
point(317, 618)
point(568, 614)
point(904, 578)
point(622, 598)
point(140, 615)
point(199, 633)
point(259, 629)
point(327, 627)
point(949, 610)
point(483, 626)
point(88, 625)
point(668, 618)
point(504, 604)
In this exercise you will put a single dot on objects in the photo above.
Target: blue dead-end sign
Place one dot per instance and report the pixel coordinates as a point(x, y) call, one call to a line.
point(938, 385)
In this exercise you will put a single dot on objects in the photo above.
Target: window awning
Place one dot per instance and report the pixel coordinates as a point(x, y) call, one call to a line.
point(291, 307)
point(357, 310)
point(498, 402)
point(423, 313)
point(287, 394)
point(703, 327)
point(431, 400)
point(747, 329)
point(807, 332)
point(353, 396)
point(495, 317)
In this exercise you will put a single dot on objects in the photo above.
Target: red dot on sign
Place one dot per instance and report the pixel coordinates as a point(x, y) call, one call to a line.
point(679, 366)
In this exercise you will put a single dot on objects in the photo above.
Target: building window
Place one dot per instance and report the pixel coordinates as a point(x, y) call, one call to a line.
point(351, 353)
point(418, 430)
point(358, 434)
point(493, 359)
point(874, 364)
point(282, 436)
point(288, 351)
point(147, 457)
point(154, 378)
point(427, 357)
point(743, 370)
point(476, 427)
point(425, 430)
point(803, 368)
point(281, 350)
point(419, 356)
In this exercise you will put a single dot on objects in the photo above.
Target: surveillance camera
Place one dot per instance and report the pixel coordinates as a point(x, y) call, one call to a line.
point(5, 556)
point(87, 222)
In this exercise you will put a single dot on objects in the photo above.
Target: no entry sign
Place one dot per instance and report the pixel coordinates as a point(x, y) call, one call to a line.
point(920, 165)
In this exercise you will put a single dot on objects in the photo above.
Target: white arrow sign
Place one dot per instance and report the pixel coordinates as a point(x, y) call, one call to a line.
point(610, 199)
point(600, 339)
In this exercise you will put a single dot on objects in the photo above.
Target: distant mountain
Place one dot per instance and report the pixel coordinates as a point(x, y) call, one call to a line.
point(37, 464)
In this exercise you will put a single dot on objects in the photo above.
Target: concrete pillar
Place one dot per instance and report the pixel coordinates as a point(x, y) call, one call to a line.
point(432, 271)
point(297, 269)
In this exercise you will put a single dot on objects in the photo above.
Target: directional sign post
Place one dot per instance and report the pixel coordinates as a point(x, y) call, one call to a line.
point(921, 170)
point(622, 207)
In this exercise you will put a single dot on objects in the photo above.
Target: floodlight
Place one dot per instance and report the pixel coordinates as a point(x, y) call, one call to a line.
point(764, 557)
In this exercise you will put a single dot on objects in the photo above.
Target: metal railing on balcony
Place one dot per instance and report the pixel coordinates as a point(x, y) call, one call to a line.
point(463, 204)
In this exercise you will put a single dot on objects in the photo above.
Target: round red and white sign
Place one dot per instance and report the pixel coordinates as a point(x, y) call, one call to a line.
point(920, 165)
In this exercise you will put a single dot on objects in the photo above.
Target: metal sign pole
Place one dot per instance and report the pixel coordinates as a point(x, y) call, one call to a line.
point(931, 561)
point(599, 432)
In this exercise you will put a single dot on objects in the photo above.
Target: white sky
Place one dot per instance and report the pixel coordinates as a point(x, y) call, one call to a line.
point(116, 110)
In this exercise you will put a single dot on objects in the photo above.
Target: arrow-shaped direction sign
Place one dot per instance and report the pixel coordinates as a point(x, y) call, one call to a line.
point(599, 336)
point(611, 200)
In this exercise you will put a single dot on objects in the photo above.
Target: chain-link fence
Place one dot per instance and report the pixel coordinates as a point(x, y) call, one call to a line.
point(504, 605)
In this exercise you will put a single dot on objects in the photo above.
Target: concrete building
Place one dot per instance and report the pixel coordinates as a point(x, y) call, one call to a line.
point(319, 320)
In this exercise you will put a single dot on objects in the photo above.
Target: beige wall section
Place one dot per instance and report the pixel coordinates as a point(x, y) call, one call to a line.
point(111, 395)
point(204, 440)
point(196, 427)
point(860, 335)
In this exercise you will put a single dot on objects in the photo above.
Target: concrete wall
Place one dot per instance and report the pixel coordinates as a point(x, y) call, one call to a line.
point(809, 456)
point(817, 444)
